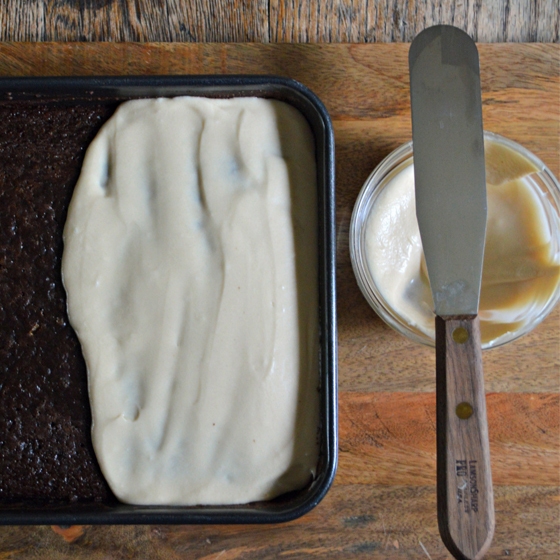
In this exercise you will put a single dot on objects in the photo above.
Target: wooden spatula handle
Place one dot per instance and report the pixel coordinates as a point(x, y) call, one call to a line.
point(464, 481)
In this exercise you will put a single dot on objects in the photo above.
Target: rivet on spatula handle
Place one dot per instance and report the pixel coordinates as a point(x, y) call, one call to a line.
point(464, 481)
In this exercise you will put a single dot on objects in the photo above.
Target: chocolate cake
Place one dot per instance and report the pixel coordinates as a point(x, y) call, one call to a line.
point(46, 455)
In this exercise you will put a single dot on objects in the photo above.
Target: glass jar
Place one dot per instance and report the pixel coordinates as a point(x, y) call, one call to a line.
point(543, 184)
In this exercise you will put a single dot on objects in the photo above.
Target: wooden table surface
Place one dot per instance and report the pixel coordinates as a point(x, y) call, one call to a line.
point(325, 21)
point(383, 502)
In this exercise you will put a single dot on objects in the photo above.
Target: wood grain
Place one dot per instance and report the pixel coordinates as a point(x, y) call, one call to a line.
point(383, 503)
point(134, 20)
point(390, 438)
point(465, 501)
point(397, 21)
point(354, 522)
point(306, 21)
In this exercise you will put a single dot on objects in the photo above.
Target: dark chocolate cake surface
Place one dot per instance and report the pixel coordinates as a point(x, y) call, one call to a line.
point(46, 455)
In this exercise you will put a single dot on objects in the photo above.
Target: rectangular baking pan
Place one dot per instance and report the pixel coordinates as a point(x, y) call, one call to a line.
point(114, 90)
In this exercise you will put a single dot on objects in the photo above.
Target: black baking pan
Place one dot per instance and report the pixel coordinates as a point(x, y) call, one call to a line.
point(36, 100)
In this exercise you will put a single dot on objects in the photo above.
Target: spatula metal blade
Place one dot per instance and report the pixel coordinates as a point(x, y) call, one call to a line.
point(449, 168)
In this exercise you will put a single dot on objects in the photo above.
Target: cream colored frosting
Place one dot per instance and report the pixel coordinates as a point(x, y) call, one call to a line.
point(191, 274)
point(521, 266)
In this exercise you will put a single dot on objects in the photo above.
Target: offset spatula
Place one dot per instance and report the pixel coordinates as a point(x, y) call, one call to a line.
point(450, 183)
